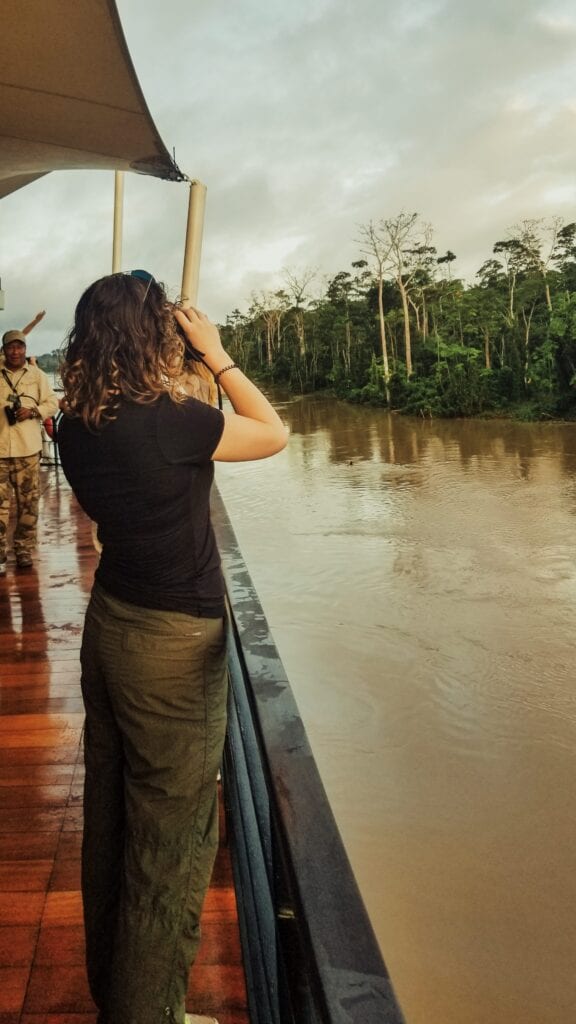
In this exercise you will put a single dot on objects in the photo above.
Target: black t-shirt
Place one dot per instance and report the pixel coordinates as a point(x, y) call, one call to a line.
point(145, 478)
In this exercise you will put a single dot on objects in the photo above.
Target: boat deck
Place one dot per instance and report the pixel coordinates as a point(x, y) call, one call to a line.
point(42, 977)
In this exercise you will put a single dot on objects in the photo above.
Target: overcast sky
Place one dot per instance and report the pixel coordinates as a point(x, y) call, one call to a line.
point(305, 120)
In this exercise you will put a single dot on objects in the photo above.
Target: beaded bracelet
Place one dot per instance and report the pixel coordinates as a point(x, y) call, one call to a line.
point(231, 366)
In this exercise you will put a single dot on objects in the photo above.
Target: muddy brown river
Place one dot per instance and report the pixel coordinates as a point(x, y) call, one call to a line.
point(420, 582)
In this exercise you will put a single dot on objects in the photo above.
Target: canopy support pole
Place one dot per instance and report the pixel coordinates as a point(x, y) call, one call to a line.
point(193, 244)
point(118, 215)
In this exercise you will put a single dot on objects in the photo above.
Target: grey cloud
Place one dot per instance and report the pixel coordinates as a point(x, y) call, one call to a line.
point(306, 120)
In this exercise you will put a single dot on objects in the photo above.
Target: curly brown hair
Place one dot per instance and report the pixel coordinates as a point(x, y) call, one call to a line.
point(124, 345)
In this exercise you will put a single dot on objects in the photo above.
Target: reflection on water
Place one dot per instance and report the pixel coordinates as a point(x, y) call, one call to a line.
point(419, 580)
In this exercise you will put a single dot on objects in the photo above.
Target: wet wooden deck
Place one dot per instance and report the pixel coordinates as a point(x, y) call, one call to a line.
point(42, 977)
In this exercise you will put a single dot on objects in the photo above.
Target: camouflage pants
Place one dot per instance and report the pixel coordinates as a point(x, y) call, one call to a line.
point(154, 685)
point(21, 476)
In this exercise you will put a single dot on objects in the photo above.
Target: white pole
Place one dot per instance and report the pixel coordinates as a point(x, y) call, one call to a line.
point(118, 213)
point(193, 244)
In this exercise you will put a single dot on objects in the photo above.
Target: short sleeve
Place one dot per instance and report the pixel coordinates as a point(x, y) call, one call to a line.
point(188, 431)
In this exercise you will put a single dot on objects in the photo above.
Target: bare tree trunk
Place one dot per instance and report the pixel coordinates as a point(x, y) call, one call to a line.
point(299, 320)
point(314, 359)
point(487, 361)
point(547, 293)
point(383, 336)
point(416, 313)
point(407, 335)
point(527, 326)
point(424, 318)
point(347, 352)
point(260, 349)
point(512, 290)
point(394, 349)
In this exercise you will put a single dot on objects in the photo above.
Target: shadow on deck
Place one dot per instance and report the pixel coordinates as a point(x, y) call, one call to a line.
point(42, 977)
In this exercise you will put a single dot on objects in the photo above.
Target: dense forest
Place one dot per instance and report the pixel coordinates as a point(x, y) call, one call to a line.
point(399, 329)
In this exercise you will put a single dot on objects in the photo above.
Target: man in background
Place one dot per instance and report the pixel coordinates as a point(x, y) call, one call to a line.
point(26, 330)
point(26, 399)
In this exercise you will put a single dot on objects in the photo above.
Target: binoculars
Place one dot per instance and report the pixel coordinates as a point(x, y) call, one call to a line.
point(14, 405)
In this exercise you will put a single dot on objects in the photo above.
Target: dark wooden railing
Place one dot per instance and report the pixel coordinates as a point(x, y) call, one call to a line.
point(310, 953)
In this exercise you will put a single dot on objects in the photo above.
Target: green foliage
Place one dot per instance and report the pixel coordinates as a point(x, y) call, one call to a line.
point(504, 345)
point(49, 362)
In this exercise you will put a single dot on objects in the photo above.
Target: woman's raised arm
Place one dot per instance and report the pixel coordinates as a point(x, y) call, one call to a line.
point(254, 430)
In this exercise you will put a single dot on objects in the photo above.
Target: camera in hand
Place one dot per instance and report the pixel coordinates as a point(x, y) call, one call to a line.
point(190, 353)
point(12, 408)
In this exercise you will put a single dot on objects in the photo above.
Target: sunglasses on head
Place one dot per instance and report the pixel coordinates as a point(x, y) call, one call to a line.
point(143, 275)
point(191, 352)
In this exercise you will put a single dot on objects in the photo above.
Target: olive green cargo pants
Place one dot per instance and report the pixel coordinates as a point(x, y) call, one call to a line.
point(20, 476)
point(154, 686)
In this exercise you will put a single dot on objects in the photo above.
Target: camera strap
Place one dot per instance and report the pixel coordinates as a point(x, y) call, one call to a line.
point(13, 384)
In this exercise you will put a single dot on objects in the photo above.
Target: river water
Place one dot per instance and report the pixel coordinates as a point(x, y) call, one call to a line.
point(420, 583)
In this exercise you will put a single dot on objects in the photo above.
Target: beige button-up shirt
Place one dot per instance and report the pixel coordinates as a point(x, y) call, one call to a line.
point(33, 387)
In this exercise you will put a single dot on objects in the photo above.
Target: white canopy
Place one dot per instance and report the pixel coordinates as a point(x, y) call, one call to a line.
point(69, 95)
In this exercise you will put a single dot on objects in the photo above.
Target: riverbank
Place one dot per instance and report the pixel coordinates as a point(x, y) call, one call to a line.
point(521, 411)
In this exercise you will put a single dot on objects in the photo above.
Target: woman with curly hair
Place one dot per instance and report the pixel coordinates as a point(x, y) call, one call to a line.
point(139, 453)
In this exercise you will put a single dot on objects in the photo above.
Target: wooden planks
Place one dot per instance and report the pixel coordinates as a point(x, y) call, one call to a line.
point(42, 976)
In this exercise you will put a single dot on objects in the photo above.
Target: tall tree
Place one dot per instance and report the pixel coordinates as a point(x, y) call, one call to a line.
point(270, 308)
point(298, 286)
point(377, 249)
point(537, 239)
point(564, 255)
point(406, 243)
